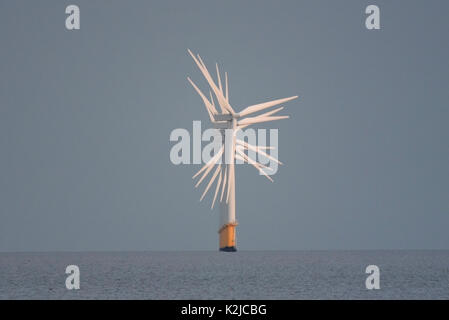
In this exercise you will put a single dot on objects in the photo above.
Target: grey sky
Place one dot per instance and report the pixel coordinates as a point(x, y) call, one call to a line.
point(85, 118)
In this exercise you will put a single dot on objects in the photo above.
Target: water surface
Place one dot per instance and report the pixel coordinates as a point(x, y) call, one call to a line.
point(217, 275)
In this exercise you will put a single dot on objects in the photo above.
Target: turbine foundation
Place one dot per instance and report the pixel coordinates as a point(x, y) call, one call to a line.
point(227, 237)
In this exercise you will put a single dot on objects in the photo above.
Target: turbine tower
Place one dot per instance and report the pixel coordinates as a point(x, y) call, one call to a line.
point(227, 120)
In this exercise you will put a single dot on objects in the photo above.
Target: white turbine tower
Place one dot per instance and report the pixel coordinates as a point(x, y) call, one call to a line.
point(232, 148)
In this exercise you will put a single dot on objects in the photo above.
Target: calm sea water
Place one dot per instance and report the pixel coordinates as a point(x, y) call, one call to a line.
point(215, 275)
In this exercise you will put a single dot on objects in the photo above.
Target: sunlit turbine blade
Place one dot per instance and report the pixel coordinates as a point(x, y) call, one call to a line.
point(269, 113)
point(261, 106)
point(266, 175)
point(212, 84)
point(258, 149)
point(224, 183)
point(210, 182)
point(240, 127)
point(237, 156)
point(219, 79)
point(249, 160)
point(227, 88)
point(201, 61)
point(229, 108)
point(199, 64)
point(210, 162)
point(207, 165)
point(257, 166)
point(254, 120)
point(217, 188)
point(221, 100)
point(204, 175)
point(212, 102)
point(207, 104)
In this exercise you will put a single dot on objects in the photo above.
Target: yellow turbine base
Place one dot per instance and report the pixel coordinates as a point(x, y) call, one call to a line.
point(227, 237)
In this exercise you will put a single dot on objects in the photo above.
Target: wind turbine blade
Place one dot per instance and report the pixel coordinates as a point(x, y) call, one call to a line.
point(269, 113)
point(237, 156)
point(210, 182)
point(209, 163)
point(201, 61)
point(258, 149)
point(227, 88)
point(213, 102)
point(256, 165)
point(221, 100)
point(204, 175)
point(212, 84)
point(219, 79)
point(242, 126)
point(199, 64)
point(269, 156)
point(261, 106)
point(247, 159)
point(207, 104)
point(254, 120)
point(266, 175)
point(217, 188)
point(224, 183)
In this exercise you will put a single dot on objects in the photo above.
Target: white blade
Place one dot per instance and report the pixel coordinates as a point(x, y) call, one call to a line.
point(219, 79)
point(247, 159)
point(221, 100)
point(213, 102)
point(224, 183)
point(254, 120)
point(256, 165)
point(210, 109)
point(242, 126)
point(210, 162)
point(227, 88)
point(269, 113)
point(261, 106)
point(216, 189)
point(258, 149)
point(262, 115)
point(210, 182)
point(200, 60)
point(208, 170)
point(204, 175)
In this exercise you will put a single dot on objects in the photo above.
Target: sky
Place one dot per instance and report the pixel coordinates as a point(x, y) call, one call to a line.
point(86, 116)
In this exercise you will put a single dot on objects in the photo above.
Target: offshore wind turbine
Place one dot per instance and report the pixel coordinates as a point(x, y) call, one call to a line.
point(232, 148)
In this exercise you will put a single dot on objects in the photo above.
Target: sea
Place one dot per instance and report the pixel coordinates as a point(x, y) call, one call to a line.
point(221, 275)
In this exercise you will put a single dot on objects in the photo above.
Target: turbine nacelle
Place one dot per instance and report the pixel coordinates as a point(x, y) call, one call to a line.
point(223, 121)
point(224, 117)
